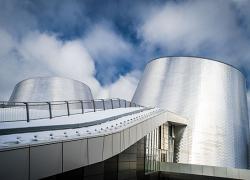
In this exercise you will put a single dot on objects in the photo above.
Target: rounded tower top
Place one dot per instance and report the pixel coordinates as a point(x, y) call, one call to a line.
point(196, 58)
point(42, 89)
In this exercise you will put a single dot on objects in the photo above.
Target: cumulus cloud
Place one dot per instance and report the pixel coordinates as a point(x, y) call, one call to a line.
point(188, 25)
point(197, 27)
point(41, 54)
point(15, 18)
point(110, 51)
point(123, 88)
point(68, 59)
point(102, 40)
point(105, 48)
point(57, 39)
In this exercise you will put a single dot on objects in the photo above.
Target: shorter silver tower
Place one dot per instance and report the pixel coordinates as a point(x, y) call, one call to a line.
point(42, 89)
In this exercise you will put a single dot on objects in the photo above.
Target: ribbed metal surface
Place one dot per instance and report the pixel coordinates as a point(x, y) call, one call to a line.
point(50, 89)
point(212, 95)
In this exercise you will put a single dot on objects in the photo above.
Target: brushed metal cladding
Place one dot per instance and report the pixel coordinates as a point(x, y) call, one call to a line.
point(212, 96)
point(42, 89)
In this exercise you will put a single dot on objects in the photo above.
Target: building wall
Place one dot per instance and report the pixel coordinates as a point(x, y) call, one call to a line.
point(127, 165)
point(212, 96)
point(42, 89)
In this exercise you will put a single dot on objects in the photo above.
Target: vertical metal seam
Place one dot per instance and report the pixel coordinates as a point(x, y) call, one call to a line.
point(62, 157)
point(29, 176)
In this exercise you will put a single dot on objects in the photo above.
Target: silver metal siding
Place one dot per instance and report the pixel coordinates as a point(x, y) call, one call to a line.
point(50, 89)
point(212, 96)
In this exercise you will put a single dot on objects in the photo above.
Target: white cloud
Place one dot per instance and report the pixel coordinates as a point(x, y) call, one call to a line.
point(188, 25)
point(123, 88)
point(109, 50)
point(7, 43)
point(198, 27)
point(104, 44)
point(68, 59)
point(41, 54)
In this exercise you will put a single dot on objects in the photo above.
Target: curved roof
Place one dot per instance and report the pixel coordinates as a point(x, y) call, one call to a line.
point(40, 89)
point(198, 57)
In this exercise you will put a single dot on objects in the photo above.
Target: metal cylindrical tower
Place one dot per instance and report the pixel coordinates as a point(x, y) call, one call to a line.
point(212, 96)
point(42, 89)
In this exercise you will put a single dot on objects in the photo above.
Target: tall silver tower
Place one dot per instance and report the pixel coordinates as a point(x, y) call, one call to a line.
point(212, 95)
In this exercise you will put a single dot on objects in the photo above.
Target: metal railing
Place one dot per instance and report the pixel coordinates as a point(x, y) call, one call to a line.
point(27, 111)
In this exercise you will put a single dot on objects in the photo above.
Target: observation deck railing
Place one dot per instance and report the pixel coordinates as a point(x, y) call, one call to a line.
point(27, 111)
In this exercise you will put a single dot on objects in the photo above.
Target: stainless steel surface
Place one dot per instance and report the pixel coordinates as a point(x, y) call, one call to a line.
point(14, 164)
point(212, 96)
point(42, 89)
point(201, 172)
point(46, 156)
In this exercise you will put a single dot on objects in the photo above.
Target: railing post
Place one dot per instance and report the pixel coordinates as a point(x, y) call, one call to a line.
point(119, 102)
point(103, 104)
point(50, 111)
point(125, 103)
point(67, 103)
point(94, 105)
point(27, 111)
point(82, 106)
point(112, 104)
point(130, 104)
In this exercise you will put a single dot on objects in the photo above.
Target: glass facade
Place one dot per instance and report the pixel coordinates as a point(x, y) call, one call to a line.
point(159, 147)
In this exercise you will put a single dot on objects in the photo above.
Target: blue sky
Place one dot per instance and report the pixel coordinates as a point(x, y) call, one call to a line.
point(106, 44)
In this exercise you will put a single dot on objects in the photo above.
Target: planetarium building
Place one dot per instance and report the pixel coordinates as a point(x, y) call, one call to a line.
point(212, 96)
point(188, 119)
